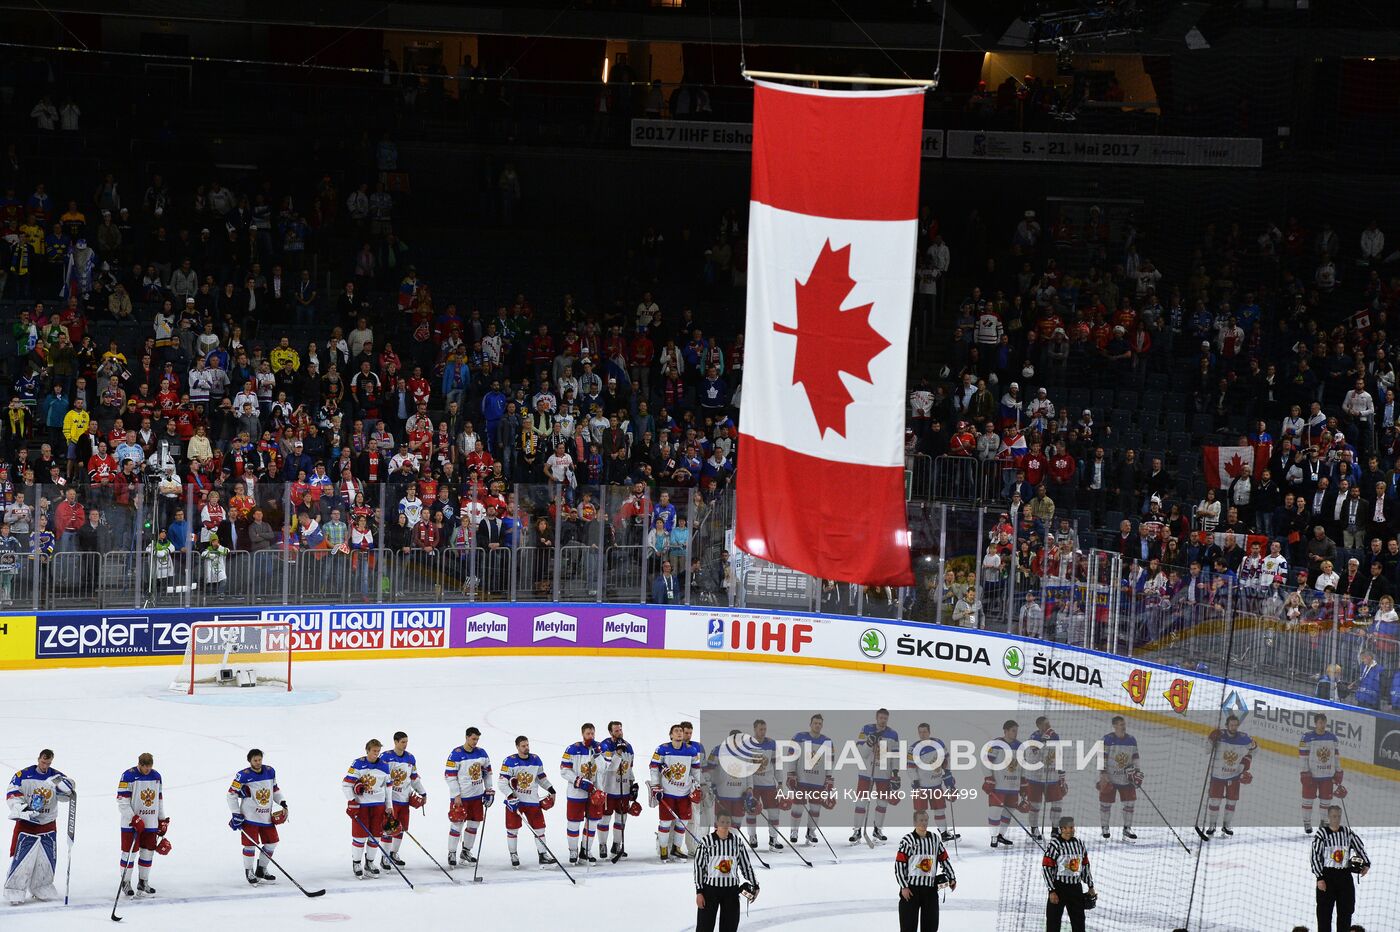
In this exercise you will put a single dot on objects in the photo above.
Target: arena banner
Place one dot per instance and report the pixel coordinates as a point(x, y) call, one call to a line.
point(16, 637)
point(1096, 149)
point(833, 219)
point(561, 625)
point(727, 137)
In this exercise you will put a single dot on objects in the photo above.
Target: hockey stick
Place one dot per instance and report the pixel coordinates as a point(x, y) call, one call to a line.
point(268, 854)
point(370, 836)
point(480, 837)
point(752, 847)
point(834, 858)
point(544, 844)
point(430, 857)
point(126, 869)
point(1012, 811)
point(72, 832)
point(953, 821)
point(1153, 803)
point(774, 827)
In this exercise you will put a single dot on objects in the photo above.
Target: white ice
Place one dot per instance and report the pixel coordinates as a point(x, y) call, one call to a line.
point(99, 720)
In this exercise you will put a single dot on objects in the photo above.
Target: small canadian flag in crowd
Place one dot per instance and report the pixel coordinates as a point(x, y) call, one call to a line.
point(832, 233)
point(1224, 465)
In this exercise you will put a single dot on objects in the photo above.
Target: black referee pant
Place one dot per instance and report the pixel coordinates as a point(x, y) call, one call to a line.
point(721, 910)
point(1339, 895)
point(919, 913)
point(1071, 896)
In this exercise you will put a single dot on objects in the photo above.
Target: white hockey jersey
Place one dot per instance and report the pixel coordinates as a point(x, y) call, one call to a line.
point(884, 740)
point(51, 786)
point(578, 769)
point(403, 775)
point(253, 793)
point(141, 795)
point(1051, 767)
point(1007, 769)
point(1320, 754)
point(525, 778)
point(374, 778)
point(468, 772)
point(813, 766)
point(1230, 754)
point(615, 770)
point(675, 769)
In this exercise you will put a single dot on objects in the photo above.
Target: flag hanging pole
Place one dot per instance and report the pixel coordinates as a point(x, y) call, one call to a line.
point(840, 79)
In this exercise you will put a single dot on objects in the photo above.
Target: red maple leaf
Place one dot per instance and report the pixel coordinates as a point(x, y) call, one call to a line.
point(829, 340)
point(1235, 466)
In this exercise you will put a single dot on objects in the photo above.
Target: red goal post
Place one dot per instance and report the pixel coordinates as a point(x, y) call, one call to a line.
point(236, 653)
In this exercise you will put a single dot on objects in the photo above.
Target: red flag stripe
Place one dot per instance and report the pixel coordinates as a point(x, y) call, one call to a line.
point(847, 156)
point(811, 515)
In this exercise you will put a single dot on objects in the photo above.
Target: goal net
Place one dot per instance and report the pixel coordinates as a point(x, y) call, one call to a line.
point(247, 653)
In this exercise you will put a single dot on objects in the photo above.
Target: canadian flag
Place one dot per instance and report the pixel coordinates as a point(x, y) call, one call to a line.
point(832, 235)
point(1224, 464)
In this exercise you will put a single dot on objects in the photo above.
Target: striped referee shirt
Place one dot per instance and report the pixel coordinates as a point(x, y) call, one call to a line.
point(1066, 861)
point(722, 862)
point(918, 861)
point(1332, 850)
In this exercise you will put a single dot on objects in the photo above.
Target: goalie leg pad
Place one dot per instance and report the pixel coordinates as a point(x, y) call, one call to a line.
point(32, 867)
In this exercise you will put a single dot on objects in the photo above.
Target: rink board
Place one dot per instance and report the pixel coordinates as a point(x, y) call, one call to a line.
point(1091, 679)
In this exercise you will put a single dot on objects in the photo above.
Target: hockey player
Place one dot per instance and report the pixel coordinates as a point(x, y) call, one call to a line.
point(732, 785)
point(617, 779)
point(704, 809)
point(470, 788)
point(1231, 753)
point(258, 807)
point(1045, 783)
point(765, 787)
point(674, 787)
point(1120, 777)
point(931, 778)
point(877, 777)
point(583, 800)
point(1320, 755)
point(369, 792)
point(407, 794)
point(810, 781)
point(1005, 786)
point(522, 779)
point(141, 802)
point(32, 798)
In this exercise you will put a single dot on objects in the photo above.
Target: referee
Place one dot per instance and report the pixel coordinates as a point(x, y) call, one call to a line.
point(1066, 866)
point(722, 873)
point(920, 865)
point(1335, 848)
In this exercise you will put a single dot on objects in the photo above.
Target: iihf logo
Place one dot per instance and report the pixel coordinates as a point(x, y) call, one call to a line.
point(715, 640)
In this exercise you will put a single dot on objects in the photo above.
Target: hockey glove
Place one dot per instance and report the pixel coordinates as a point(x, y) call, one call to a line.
point(1023, 803)
point(512, 803)
point(360, 788)
point(597, 800)
point(872, 739)
point(895, 782)
point(655, 795)
point(634, 808)
point(548, 802)
point(1337, 778)
point(989, 786)
point(138, 824)
point(1214, 736)
point(457, 812)
point(352, 808)
point(417, 800)
point(391, 822)
point(1340, 792)
point(164, 846)
point(583, 783)
point(829, 801)
point(1137, 777)
point(792, 782)
point(632, 792)
point(162, 827)
point(949, 783)
point(236, 822)
point(279, 816)
point(785, 803)
point(750, 803)
point(1246, 777)
point(488, 798)
point(697, 795)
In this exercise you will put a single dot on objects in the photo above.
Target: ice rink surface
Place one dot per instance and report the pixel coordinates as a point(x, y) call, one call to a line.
point(98, 720)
